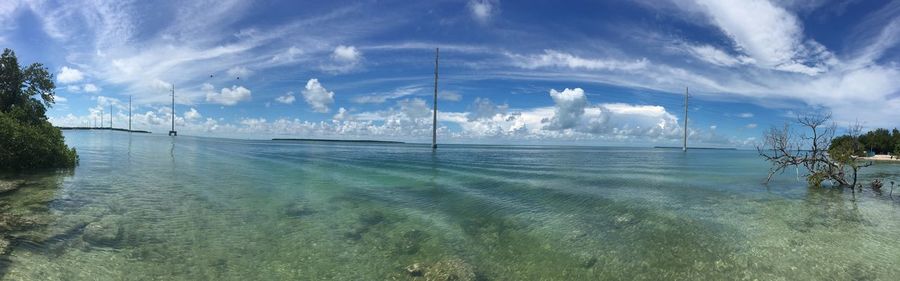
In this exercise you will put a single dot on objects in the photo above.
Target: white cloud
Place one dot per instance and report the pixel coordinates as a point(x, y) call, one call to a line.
point(192, 114)
point(769, 34)
point(239, 71)
point(288, 55)
point(570, 106)
point(552, 58)
point(378, 98)
point(483, 108)
point(746, 115)
point(228, 96)
point(572, 114)
point(90, 88)
point(716, 56)
point(68, 75)
point(343, 115)
point(572, 117)
point(287, 98)
point(482, 10)
point(449, 96)
point(344, 59)
point(60, 99)
point(346, 54)
point(317, 96)
point(752, 126)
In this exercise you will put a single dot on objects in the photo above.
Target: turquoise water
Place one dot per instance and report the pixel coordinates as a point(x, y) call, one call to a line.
point(152, 207)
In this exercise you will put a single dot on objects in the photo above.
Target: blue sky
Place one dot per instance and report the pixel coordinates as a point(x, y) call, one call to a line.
point(585, 72)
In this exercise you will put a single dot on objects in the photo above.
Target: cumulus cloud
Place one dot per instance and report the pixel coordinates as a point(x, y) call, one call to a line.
point(569, 108)
point(343, 115)
point(318, 98)
point(343, 59)
point(192, 114)
point(228, 96)
point(483, 108)
point(482, 10)
point(90, 88)
point(752, 126)
point(346, 54)
point(68, 75)
point(746, 115)
point(571, 117)
point(287, 98)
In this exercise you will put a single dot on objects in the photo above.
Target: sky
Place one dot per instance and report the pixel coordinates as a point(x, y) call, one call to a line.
point(521, 72)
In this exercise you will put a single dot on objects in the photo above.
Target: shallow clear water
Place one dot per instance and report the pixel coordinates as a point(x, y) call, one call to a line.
point(189, 208)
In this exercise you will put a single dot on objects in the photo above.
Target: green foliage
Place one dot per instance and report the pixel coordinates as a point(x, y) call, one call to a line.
point(895, 136)
point(32, 146)
point(844, 148)
point(878, 140)
point(897, 150)
point(27, 139)
point(816, 178)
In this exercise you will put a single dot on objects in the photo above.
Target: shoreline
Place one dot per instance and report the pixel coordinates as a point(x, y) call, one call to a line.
point(880, 158)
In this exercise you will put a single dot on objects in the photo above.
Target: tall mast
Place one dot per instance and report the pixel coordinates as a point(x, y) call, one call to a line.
point(173, 107)
point(110, 115)
point(684, 146)
point(129, 113)
point(173, 132)
point(434, 116)
point(101, 117)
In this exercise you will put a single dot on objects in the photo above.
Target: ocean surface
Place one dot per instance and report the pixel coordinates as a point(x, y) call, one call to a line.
point(153, 207)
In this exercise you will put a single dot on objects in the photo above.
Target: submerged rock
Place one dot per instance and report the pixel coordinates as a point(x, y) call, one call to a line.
point(12, 222)
point(355, 232)
point(410, 241)
point(366, 222)
point(415, 270)
point(5, 222)
point(8, 186)
point(4, 246)
point(450, 270)
point(298, 209)
point(105, 232)
point(370, 219)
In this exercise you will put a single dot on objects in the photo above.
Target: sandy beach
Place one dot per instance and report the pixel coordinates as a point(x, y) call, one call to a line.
point(881, 158)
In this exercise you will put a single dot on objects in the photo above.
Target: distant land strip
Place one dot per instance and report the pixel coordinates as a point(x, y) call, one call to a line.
point(104, 128)
point(709, 148)
point(329, 140)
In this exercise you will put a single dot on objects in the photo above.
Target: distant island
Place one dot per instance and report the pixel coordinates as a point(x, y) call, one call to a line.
point(104, 128)
point(331, 140)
